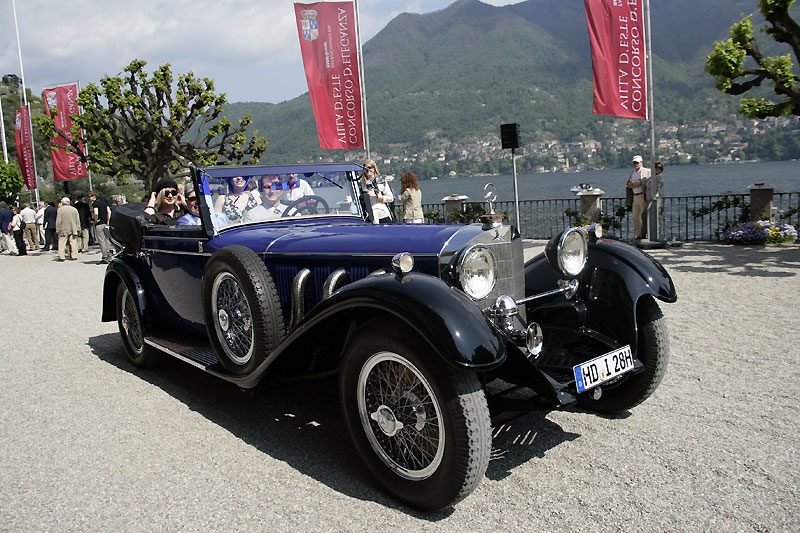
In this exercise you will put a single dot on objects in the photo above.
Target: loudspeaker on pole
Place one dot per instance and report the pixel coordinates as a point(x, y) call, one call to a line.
point(509, 135)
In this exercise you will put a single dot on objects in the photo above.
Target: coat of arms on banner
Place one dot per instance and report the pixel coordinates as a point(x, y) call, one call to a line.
point(309, 24)
point(52, 100)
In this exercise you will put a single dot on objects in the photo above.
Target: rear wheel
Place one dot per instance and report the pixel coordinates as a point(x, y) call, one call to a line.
point(129, 321)
point(653, 352)
point(421, 427)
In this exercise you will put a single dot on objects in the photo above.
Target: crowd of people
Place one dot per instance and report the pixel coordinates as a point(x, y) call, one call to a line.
point(68, 228)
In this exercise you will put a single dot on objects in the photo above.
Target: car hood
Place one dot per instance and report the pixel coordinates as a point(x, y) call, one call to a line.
point(363, 239)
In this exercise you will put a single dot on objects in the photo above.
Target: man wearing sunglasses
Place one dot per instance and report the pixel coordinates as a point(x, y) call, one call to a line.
point(271, 207)
point(192, 216)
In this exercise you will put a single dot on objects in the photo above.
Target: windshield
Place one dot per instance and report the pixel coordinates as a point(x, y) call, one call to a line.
point(255, 198)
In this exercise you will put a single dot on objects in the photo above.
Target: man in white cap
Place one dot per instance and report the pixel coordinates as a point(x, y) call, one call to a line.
point(68, 226)
point(635, 184)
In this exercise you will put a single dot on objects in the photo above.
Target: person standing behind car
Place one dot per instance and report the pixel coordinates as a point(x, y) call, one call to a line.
point(101, 213)
point(379, 194)
point(6, 215)
point(411, 198)
point(635, 184)
point(68, 226)
point(31, 232)
point(652, 196)
point(296, 188)
point(16, 228)
point(50, 233)
point(85, 216)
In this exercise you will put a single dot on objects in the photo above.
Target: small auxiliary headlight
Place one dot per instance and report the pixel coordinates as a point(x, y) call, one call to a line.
point(402, 263)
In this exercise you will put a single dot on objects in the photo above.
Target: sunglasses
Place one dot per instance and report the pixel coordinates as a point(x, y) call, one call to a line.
point(191, 199)
point(170, 192)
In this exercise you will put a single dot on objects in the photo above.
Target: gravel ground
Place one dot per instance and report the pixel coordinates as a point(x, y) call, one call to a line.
point(87, 442)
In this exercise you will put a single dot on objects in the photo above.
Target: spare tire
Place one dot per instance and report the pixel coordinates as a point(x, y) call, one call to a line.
point(243, 315)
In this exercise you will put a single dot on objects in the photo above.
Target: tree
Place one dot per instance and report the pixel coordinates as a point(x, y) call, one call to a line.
point(135, 125)
point(726, 63)
point(11, 181)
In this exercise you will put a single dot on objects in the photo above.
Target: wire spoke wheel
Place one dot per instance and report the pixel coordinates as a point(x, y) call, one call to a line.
point(130, 323)
point(401, 416)
point(233, 320)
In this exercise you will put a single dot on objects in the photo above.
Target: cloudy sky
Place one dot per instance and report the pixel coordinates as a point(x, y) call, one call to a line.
point(248, 47)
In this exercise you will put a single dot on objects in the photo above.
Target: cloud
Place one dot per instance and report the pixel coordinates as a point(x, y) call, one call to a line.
point(248, 47)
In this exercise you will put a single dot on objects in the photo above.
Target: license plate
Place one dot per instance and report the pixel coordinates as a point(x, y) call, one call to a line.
point(604, 368)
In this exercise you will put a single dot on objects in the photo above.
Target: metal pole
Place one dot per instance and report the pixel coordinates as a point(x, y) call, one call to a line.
point(652, 216)
point(516, 194)
point(25, 102)
point(364, 121)
point(3, 131)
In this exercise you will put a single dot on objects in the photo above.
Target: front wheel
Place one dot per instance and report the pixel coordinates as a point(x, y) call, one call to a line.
point(653, 352)
point(421, 427)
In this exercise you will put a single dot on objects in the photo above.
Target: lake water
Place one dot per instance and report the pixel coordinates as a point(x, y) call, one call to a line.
point(685, 180)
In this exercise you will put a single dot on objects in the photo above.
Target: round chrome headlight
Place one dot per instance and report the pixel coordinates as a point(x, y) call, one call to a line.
point(477, 271)
point(568, 251)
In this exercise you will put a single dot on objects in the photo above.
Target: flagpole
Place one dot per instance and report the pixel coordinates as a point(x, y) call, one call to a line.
point(3, 131)
point(364, 120)
point(25, 103)
point(652, 226)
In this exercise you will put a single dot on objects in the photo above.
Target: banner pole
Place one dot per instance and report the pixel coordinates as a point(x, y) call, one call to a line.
point(652, 226)
point(25, 102)
point(364, 121)
point(3, 131)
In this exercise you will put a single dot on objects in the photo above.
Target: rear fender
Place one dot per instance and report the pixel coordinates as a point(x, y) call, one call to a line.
point(120, 271)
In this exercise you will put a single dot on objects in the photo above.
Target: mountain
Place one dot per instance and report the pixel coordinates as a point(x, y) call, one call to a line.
point(444, 80)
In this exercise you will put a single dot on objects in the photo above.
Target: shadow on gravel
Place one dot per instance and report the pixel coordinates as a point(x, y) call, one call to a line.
point(709, 258)
point(300, 424)
point(517, 441)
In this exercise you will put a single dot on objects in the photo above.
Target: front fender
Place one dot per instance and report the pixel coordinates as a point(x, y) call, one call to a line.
point(445, 318)
point(616, 276)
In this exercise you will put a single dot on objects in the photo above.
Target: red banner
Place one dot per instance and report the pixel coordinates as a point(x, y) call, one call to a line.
point(66, 165)
point(22, 131)
point(328, 43)
point(616, 36)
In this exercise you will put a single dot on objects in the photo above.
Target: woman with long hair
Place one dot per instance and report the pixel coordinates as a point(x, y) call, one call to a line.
point(411, 198)
point(239, 200)
point(380, 194)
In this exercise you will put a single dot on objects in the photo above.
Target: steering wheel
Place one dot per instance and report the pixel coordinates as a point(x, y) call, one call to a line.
point(307, 205)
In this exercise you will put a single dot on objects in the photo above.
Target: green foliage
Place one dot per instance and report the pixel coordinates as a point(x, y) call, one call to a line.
point(11, 181)
point(733, 74)
point(140, 126)
point(606, 220)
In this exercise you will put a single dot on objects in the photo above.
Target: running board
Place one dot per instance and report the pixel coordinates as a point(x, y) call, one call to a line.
point(190, 349)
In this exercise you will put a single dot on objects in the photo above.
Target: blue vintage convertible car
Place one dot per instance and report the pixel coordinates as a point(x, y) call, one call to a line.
point(433, 328)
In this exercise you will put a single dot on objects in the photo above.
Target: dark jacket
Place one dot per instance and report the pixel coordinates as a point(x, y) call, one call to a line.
point(84, 213)
point(5, 218)
point(50, 214)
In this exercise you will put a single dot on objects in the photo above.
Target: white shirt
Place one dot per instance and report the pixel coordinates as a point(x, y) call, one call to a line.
point(301, 188)
point(28, 215)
